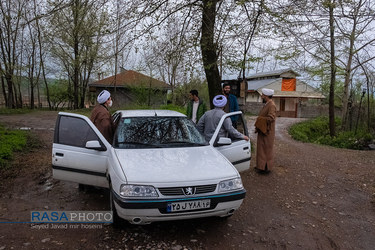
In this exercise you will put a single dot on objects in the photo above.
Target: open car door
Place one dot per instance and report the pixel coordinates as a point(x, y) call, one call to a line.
point(237, 151)
point(79, 151)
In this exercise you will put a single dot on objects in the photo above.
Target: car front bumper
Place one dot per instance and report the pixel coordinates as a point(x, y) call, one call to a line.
point(145, 211)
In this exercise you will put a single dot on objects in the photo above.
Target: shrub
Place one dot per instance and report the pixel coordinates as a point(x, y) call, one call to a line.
point(174, 107)
point(317, 131)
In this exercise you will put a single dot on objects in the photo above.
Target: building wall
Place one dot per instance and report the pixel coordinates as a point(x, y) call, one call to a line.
point(252, 108)
point(304, 110)
point(253, 97)
point(313, 110)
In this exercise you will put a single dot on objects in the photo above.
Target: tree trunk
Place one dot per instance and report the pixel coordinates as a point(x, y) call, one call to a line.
point(209, 48)
point(76, 56)
point(32, 96)
point(333, 72)
point(348, 73)
point(42, 61)
point(10, 97)
point(4, 91)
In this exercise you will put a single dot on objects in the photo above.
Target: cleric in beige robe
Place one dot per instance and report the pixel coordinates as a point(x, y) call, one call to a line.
point(265, 127)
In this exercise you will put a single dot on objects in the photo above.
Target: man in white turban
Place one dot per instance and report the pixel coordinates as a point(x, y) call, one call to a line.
point(209, 121)
point(268, 92)
point(101, 117)
point(265, 127)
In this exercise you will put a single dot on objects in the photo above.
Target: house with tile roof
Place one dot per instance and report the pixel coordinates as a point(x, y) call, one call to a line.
point(290, 92)
point(131, 87)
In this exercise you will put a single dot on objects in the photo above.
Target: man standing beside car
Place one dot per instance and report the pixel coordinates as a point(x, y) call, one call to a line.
point(265, 127)
point(209, 121)
point(101, 117)
point(232, 103)
point(196, 107)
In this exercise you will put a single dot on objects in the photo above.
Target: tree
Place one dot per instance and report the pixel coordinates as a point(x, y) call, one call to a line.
point(42, 53)
point(331, 5)
point(76, 35)
point(10, 28)
point(309, 27)
point(59, 93)
point(356, 28)
point(31, 48)
point(209, 48)
point(330, 33)
point(172, 52)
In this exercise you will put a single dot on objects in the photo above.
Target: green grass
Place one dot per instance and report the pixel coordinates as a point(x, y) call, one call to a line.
point(11, 141)
point(8, 111)
point(317, 131)
point(174, 107)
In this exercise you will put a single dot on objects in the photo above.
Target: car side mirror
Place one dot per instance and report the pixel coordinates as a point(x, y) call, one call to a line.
point(95, 145)
point(224, 141)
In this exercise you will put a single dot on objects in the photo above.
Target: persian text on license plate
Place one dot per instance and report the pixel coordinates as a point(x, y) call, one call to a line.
point(188, 205)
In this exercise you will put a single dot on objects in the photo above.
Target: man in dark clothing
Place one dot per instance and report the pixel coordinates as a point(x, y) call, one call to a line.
point(101, 117)
point(232, 104)
point(196, 107)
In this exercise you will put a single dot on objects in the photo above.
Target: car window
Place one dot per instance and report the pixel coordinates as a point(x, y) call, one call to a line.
point(74, 131)
point(116, 118)
point(144, 132)
point(239, 123)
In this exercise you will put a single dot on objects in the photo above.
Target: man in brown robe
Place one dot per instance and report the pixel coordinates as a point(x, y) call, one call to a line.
point(265, 127)
point(101, 117)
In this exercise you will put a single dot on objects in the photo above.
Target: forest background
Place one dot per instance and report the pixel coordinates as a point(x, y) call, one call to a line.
point(54, 48)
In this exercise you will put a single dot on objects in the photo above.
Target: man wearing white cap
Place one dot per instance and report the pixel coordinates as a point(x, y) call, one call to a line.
point(208, 122)
point(101, 117)
point(265, 127)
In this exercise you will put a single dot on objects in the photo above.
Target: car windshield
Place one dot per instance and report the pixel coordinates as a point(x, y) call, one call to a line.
point(157, 132)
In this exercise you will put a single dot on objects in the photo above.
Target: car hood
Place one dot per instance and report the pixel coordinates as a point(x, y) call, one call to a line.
point(170, 165)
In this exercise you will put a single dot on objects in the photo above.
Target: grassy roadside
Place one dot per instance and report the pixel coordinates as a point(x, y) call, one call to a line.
point(317, 131)
point(12, 141)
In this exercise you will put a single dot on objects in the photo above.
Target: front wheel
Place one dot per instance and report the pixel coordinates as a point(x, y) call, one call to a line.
point(117, 221)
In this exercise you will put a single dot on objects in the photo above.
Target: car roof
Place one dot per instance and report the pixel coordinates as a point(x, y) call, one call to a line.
point(149, 113)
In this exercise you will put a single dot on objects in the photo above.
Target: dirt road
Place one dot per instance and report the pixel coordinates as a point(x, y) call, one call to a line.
point(317, 197)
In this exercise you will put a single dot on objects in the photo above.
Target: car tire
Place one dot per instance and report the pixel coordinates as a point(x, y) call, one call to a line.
point(82, 187)
point(116, 220)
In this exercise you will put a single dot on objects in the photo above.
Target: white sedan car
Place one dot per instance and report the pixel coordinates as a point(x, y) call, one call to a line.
point(158, 168)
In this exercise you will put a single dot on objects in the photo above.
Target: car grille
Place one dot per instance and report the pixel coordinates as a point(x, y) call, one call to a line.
point(180, 190)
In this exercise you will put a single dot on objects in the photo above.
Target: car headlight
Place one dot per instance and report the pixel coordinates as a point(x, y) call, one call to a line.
point(137, 191)
point(229, 185)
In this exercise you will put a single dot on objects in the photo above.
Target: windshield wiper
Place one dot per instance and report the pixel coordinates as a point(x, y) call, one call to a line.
point(185, 143)
point(139, 143)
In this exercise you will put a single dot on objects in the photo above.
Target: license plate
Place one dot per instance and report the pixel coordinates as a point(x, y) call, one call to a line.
point(188, 205)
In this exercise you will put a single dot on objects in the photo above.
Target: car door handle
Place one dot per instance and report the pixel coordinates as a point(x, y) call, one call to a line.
point(60, 154)
point(246, 148)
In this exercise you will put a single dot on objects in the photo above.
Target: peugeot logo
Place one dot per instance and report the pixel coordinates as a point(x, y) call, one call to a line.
point(189, 190)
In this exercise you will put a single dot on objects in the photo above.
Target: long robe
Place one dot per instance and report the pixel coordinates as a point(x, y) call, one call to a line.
point(102, 119)
point(265, 141)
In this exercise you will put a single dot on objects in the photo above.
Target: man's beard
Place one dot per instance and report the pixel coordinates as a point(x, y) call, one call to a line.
point(264, 101)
